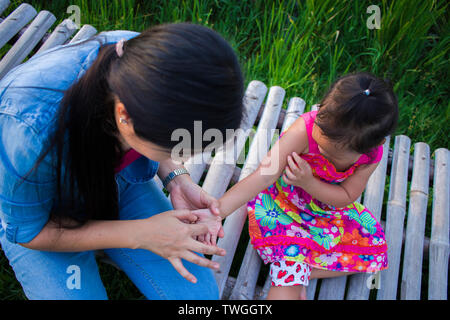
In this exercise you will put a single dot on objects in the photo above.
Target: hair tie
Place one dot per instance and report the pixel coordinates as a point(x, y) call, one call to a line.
point(119, 47)
point(366, 92)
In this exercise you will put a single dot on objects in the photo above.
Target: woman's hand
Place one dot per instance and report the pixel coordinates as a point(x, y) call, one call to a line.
point(297, 172)
point(186, 194)
point(166, 235)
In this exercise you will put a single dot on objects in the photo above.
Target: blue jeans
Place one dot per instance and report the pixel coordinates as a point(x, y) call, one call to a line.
point(51, 275)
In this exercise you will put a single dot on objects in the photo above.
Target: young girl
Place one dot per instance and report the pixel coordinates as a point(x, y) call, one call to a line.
point(306, 219)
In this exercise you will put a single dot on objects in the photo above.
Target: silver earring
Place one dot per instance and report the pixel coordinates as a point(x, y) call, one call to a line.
point(123, 121)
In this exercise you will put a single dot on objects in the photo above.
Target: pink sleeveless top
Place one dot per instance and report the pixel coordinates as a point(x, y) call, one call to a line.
point(287, 223)
point(127, 159)
point(318, 161)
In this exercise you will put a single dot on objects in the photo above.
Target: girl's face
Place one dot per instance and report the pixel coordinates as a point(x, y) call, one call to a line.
point(333, 150)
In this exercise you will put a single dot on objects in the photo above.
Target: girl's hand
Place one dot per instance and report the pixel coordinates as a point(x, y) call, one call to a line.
point(298, 172)
point(214, 224)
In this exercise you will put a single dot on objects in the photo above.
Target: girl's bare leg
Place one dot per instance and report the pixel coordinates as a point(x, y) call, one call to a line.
point(287, 293)
point(319, 273)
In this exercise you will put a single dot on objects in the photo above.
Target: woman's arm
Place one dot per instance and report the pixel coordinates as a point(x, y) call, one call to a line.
point(93, 235)
point(184, 192)
point(294, 140)
point(164, 234)
point(167, 166)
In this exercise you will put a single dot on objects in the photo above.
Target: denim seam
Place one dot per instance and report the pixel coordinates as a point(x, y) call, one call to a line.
point(25, 204)
point(116, 178)
point(142, 179)
point(145, 274)
point(7, 161)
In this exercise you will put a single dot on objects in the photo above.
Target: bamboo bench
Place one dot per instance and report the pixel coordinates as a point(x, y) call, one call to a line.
point(410, 251)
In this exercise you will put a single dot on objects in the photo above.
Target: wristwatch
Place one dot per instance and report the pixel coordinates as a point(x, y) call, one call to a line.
point(173, 174)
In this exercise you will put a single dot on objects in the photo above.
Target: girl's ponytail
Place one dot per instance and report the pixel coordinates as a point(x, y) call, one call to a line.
point(359, 110)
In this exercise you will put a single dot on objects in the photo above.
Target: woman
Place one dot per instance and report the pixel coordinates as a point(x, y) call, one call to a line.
point(83, 130)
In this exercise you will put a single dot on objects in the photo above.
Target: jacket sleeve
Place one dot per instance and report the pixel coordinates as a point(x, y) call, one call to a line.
point(25, 205)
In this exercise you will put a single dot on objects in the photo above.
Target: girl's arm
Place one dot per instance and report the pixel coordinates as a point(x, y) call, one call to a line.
point(298, 173)
point(294, 140)
point(344, 194)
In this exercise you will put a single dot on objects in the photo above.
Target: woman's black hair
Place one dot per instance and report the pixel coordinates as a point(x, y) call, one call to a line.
point(358, 111)
point(168, 77)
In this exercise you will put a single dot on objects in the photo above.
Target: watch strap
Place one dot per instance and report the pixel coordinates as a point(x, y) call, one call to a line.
point(174, 174)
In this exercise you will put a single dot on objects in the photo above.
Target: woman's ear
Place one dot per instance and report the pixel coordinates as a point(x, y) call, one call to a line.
point(121, 114)
point(382, 142)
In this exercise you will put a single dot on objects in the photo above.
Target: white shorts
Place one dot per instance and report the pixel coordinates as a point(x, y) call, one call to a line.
point(289, 273)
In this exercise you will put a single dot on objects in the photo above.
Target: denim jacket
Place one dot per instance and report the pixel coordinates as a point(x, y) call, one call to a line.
point(26, 114)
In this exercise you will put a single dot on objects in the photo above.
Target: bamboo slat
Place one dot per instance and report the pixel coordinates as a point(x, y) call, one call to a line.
point(26, 42)
point(265, 289)
point(224, 162)
point(415, 227)
point(395, 216)
point(15, 21)
point(59, 36)
point(84, 33)
point(311, 289)
point(234, 223)
point(373, 200)
point(3, 5)
point(332, 288)
point(254, 96)
point(248, 273)
point(196, 165)
point(295, 108)
point(439, 241)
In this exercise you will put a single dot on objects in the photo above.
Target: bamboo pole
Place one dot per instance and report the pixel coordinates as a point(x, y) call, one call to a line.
point(26, 42)
point(395, 216)
point(373, 201)
point(439, 242)
point(415, 227)
point(234, 223)
point(248, 273)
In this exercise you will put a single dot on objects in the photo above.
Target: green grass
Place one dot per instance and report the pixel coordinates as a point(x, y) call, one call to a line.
point(303, 46)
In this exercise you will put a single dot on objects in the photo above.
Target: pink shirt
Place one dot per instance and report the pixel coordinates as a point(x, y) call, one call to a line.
point(127, 159)
point(372, 156)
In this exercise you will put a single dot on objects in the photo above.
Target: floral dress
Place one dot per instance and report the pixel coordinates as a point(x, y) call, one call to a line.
point(287, 224)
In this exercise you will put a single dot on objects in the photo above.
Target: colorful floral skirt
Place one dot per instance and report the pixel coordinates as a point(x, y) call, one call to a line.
point(294, 227)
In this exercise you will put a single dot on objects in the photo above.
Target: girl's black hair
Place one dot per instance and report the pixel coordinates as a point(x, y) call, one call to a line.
point(168, 76)
point(356, 118)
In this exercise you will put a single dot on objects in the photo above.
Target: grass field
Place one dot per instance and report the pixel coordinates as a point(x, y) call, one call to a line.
point(301, 46)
